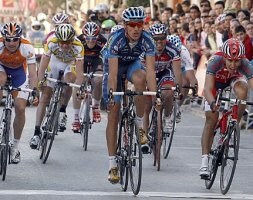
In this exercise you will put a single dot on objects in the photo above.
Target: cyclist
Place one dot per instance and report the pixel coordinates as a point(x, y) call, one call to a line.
point(226, 68)
point(16, 56)
point(121, 56)
point(62, 52)
point(58, 19)
point(93, 42)
point(188, 78)
point(168, 74)
point(106, 27)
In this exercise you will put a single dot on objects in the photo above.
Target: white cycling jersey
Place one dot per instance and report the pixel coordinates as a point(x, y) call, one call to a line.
point(186, 60)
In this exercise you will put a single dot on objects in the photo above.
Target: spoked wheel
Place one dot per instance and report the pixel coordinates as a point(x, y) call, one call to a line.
point(229, 158)
point(158, 140)
point(85, 126)
point(123, 153)
point(153, 133)
point(5, 147)
point(168, 137)
point(135, 159)
point(50, 130)
point(214, 159)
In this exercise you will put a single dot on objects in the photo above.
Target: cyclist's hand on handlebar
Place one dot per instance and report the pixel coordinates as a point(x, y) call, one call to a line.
point(34, 99)
point(111, 101)
point(158, 104)
point(214, 107)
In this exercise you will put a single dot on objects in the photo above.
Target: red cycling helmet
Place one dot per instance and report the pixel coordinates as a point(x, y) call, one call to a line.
point(233, 49)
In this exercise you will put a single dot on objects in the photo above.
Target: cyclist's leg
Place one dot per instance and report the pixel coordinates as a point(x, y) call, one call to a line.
point(137, 76)
point(207, 139)
point(240, 89)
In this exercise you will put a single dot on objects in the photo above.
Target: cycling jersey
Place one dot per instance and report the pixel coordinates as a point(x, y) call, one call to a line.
point(92, 56)
point(15, 63)
point(76, 51)
point(186, 60)
point(216, 67)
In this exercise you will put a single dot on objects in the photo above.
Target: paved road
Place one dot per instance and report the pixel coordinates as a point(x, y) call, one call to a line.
point(71, 173)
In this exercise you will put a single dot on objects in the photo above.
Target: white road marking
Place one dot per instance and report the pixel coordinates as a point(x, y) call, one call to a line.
point(141, 194)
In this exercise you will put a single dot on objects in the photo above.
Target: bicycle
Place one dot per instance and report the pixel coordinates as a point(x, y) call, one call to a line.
point(50, 121)
point(84, 113)
point(225, 147)
point(5, 125)
point(129, 154)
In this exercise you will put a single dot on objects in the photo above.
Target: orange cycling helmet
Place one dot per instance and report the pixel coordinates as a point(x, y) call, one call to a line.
point(233, 49)
point(11, 30)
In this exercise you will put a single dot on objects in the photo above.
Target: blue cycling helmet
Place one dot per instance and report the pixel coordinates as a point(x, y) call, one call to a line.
point(158, 29)
point(133, 14)
point(174, 39)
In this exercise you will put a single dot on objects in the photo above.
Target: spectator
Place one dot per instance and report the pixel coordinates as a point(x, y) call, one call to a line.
point(249, 5)
point(210, 41)
point(219, 7)
point(195, 12)
point(233, 24)
point(220, 30)
point(241, 14)
point(245, 22)
point(205, 6)
point(236, 5)
point(251, 17)
point(204, 17)
point(186, 4)
point(166, 15)
point(173, 25)
point(188, 17)
point(185, 33)
point(241, 35)
point(249, 31)
point(212, 16)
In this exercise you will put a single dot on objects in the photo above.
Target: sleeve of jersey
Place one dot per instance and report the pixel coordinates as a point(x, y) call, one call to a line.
point(246, 68)
point(47, 48)
point(113, 44)
point(149, 44)
point(172, 52)
point(186, 58)
point(30, 54)
point(214, 64)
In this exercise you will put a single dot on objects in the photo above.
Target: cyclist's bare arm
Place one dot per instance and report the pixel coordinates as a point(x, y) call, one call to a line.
point(209, 87)
point(176, 66)
point(43, 66)
point(113, 72)
point(32, 75)
point(150, 70)
point(79, 71)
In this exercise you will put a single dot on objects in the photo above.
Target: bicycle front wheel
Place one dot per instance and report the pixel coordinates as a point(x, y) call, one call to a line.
point(123, 152)
point(229, 158)
point(158, 140)
point(5, 147)
point(85, 125)
point(135, 158)
point(168, 137)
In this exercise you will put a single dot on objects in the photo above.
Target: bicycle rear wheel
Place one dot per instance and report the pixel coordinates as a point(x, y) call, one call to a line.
point(5, 147)
point(135, 158)
point(229, 158)
point(123, 152)
point(85, 125)
point(167, 138)
point(213, 160)
point(50, 130)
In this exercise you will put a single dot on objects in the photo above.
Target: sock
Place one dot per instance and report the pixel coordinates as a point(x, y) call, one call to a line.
point(139, 121)
point(204, 160)
point(15, 143)
point(112, 162)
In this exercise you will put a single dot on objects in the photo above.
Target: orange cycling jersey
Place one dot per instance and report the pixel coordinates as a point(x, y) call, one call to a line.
point(24, 55)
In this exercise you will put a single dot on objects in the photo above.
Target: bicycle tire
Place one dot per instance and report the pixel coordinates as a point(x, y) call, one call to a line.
point(51, 129)
point(231, 145)
point(85, 126)
point(169, 137)
point(123, 153)
point(213, 160)
point(5, 148)
point(135, 155)
point(153, 133)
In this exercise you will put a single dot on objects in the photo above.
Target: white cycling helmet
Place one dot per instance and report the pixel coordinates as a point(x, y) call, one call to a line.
point(65, 32)
point(90, 29)
point(60, 18)
point(133, 14)
point(158, 29)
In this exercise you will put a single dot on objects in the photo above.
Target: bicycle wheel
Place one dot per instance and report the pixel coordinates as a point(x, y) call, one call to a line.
point(229, 158)
point(123, 152)
point(213, 159)
point(158, 141)
point(50, 130)
point(135, 158)
point(5, 147)
point(167, 138)
point(153, 134)
point(85, 125)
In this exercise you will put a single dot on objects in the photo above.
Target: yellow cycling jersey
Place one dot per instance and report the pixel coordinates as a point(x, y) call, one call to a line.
point(76, 51)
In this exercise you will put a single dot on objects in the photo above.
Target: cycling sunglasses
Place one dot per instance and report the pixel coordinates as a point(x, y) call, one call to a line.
point(134, 24)
point(160, 38)
point(12, 39)
point(91, 38)
point(66, 42)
